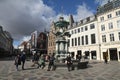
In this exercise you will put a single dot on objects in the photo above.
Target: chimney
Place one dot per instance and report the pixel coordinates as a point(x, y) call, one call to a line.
point(71, 21)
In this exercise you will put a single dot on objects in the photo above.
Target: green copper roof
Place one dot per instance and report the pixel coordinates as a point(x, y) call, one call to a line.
point(61, 24)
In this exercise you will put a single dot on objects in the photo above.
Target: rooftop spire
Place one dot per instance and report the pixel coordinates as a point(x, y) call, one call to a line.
point(71, 20)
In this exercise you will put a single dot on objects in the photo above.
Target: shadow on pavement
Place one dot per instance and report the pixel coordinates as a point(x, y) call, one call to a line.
point(30, 68)
point(89, 66)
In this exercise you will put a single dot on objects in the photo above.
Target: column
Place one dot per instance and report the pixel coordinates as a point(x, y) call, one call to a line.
point(56, 46)
point(66, 47)
point(90, 55)
point(118, 55)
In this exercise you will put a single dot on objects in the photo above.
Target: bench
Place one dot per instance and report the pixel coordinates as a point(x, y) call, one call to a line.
point(78, 65)
point(82, 65)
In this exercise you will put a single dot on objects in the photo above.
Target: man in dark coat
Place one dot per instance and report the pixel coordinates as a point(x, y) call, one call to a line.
point(23, 58)
point(51, 62)
point(36, 59)
point(69, 62)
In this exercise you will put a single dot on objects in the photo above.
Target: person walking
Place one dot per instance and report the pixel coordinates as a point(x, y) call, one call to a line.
point(69, 63)
point(42, 61)
point(106, 59)
point(51, 63)
point(35, 60)
point(23, 58)
point(17, 61)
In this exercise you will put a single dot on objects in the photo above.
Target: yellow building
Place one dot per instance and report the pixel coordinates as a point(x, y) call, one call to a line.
point(51, 40)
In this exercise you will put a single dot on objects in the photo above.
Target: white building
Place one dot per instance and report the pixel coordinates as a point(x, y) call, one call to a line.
point(109, 29)
point(99, 35)
point(84, 39)
point(34, 36)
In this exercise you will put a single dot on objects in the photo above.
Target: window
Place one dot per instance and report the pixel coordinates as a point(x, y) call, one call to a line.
point(118, 13)
point(78, 40)
point(75, 41)
point(86, 39)
point(118, 23)
point(93, 55)
point(102, 19)
point(111, 37)
point(72, 31)
point(72, 42)
point(82, 40)
point(102, 27)
point(109, 16)
point(81, 29)
point(75, 31)
point(78, 30)
point(68, 42)
point(103, 38)
point(119, 35)
point(110, 25)
point(93, 39)
point(86, 28)
point(92, 26)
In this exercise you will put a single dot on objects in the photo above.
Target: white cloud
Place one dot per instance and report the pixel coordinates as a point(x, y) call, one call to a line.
point(21, 17)
point(83, 11)
point(26, 38)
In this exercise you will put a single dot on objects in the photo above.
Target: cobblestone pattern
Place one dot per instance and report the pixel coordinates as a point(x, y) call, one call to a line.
point(95, 71)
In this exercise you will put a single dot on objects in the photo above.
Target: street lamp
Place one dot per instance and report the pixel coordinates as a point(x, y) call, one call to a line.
point(89, 54)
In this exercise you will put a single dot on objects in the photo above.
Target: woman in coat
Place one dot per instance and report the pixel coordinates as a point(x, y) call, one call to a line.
point(17, 61)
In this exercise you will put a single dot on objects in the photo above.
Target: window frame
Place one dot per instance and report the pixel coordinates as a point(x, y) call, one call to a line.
point(112, 38)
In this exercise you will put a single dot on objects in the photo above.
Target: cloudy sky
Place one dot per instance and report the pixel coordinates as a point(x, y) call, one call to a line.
point(21, 17)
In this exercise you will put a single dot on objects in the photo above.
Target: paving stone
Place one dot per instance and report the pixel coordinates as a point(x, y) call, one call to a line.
point(100, 78)
point(57, 76)
point(32, 78)
point(98, 71)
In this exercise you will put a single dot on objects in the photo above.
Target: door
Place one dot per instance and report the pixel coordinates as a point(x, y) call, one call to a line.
point(113, 54)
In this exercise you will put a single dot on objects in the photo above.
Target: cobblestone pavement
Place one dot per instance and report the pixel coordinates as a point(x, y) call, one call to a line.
point(95, 71)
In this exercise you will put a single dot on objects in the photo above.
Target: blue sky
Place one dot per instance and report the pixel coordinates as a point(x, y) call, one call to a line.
point(69, 7)
point(22, 17)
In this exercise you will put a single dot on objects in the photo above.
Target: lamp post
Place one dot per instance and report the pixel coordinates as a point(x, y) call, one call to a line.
point(90, 54)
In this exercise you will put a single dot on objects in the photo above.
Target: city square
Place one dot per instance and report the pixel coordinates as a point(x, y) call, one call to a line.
point(78, 40)
point(95, 71)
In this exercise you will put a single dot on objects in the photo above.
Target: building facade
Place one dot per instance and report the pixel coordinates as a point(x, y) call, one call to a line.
point(51, 40)
point(109, 29)
point(42, 43)
point(6, 43)
point(102, 39)
point(84, 39)
point(34, 36)
point(23, 46)
point(96, 36)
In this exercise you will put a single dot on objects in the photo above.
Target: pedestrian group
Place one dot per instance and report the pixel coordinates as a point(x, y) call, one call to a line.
point(40, 61)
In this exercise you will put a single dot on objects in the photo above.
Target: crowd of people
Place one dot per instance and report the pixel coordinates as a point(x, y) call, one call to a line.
point(40, 60)
point(37, 59)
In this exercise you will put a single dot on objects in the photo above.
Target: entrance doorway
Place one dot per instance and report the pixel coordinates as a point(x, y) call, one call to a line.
point(72, 54)
point(93, 54)
point(113, 54)
point(87, 55)
point(79, 52)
